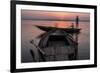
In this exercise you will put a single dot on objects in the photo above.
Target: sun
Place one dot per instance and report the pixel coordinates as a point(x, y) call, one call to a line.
point(61, 25)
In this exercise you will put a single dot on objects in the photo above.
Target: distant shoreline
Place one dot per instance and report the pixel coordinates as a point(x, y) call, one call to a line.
point(55, 20)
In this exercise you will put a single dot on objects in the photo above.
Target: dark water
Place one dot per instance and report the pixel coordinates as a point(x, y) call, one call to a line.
point(29, 32)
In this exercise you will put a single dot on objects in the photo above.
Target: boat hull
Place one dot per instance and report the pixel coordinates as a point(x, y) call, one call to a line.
point(68, 30)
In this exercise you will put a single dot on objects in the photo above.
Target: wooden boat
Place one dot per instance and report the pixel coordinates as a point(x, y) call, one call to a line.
point(68, 30)
point(58, 46)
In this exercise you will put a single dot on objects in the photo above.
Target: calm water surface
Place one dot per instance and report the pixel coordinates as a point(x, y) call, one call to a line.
point(29, 32)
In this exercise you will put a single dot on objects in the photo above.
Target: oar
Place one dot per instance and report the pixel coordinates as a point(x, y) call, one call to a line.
point(40, 50)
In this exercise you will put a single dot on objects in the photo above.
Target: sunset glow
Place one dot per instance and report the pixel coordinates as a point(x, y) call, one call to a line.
point(54, 16)
point(37, 25)
point(61, 25)
point(60, 15)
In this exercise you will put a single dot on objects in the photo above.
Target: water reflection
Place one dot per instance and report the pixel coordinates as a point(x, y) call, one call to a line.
point(30, 32)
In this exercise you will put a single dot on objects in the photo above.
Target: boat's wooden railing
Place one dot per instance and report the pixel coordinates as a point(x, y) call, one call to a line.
point(41, 52)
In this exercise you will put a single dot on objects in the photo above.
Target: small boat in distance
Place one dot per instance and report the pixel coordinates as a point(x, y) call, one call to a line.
point(68, 30)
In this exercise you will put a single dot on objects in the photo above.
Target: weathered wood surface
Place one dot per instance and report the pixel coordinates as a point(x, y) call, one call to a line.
point(58, 50)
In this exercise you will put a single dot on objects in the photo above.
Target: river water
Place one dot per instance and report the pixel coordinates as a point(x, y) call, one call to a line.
point(30, 32)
